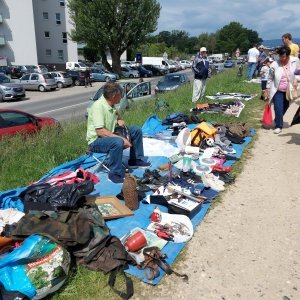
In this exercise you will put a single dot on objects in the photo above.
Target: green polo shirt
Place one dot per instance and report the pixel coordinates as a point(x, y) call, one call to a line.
point(101, 115)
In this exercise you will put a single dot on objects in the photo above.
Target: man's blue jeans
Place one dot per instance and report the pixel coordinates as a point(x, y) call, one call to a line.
point(280, 107)
point(250, 70)
point(115, 146)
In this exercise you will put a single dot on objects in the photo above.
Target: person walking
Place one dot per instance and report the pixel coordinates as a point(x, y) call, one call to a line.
point(201, 71)
point(282, 74)
point(287, 41)
point(87, 77)
point(261, 58)
point(253, 54)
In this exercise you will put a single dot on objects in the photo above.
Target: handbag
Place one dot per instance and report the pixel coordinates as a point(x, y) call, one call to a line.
point(267, 115)
point(291, 92)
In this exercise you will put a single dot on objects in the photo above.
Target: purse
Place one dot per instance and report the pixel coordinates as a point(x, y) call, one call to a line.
point(291, 92)
point(267, 115)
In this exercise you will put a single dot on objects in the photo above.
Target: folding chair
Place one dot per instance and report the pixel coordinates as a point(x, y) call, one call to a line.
point(100, 162)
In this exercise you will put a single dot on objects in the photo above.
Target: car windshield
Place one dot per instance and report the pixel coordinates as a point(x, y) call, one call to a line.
point(65, 75)
point(171, 79)
point(82, 65)
point(4, 79)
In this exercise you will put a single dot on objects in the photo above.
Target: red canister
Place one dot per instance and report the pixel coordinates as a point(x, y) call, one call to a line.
point(136, 242)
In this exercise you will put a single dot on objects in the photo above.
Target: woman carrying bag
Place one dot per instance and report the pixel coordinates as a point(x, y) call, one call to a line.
point(281, 85)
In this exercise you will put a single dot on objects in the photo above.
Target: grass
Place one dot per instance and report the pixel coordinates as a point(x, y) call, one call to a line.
point(25, 160)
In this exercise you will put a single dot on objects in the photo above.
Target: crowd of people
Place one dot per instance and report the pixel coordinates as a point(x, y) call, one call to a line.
point(276, 69)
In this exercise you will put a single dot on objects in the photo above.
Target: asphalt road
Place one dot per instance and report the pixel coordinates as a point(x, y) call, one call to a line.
point(65, 103)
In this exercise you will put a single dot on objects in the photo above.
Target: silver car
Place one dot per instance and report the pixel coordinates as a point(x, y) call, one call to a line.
point(36, 81)
point(62, 79)
point(10, 90)
point(129, 73)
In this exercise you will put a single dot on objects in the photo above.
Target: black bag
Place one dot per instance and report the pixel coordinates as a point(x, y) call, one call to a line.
point(46, 197)
point(123, 132)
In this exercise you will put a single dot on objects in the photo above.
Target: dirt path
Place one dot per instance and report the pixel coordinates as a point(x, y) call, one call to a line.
point(248, 247)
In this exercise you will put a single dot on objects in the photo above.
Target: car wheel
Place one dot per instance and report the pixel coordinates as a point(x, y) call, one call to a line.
point(77, 82)
point(60, 85)
point(1, 98)
point(107, 79)
point(131, 76)
point(42, 88)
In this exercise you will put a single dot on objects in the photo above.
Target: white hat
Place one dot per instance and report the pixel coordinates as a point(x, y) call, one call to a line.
point(261, 46)
point(203, 49)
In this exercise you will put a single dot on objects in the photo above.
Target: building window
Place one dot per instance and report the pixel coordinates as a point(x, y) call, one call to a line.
point(47, 34)
point(57, 17)
point(62, 3)
point(45, 16)
point(48, 52)
point(60, 54)
point(65, 36)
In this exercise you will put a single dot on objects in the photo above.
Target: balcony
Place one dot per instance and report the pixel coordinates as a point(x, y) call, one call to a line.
point(2, 40)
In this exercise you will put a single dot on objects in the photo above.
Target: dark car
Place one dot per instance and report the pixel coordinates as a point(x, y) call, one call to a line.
point(12, 71)
point(228, 64)
point(77, 77)
point(156, 71)
point(16, 121)
point(143, 71)
point(171, 82)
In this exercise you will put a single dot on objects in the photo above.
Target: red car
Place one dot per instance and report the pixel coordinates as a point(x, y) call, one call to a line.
point(15, 121)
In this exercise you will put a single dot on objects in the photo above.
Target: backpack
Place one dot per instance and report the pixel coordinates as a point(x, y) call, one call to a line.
point(202, 132)
point(176, 117)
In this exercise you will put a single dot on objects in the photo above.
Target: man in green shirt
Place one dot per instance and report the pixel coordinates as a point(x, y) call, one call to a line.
point(102, 120)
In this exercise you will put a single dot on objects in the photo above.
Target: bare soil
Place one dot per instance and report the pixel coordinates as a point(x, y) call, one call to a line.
point(248, 246)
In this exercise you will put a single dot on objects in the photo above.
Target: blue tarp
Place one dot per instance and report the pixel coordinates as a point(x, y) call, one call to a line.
point(122, 226)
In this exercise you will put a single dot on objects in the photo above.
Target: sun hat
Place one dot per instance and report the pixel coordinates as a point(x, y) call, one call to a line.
point(203, 49)
point(261, 46)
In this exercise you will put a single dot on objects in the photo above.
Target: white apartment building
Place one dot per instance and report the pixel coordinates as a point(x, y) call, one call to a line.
point(36, 32)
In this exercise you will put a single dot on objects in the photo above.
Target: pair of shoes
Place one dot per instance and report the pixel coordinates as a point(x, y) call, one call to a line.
point(210, 180)
point(138, 163)
point(277, 130)
point(115, 178)
point(221, 168)
point(225, 177)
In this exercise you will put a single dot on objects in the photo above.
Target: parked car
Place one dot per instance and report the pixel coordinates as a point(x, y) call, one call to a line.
point(156, 70)
point(171, 82)
point(62, 79)
point(16, 121)
point(228, 64)
point(129, 73)
point(77, 77)
point(101, 75)
point(143, 71)
point(185, 63)
point(37, 81)
point(26, 69)
point(15, 72)
point(131, 92)
point(10, 90)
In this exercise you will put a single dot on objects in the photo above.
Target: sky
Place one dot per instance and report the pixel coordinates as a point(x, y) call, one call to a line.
point(270, 18)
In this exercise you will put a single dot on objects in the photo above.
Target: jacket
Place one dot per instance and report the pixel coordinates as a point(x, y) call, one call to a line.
point(200, 67)
point(276, 71)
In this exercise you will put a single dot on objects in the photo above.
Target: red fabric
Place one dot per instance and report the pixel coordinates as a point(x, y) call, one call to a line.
point(267, 116)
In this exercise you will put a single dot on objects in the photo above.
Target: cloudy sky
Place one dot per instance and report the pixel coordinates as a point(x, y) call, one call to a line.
point(270, 18)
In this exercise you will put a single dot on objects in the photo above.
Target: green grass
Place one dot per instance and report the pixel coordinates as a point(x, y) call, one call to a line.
point(25, 160)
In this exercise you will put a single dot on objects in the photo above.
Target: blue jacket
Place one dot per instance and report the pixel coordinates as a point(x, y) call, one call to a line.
point(200, 67)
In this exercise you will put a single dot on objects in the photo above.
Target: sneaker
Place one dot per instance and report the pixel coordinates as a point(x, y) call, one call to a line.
point(115, 178)
point(277, 130)
point(213, 182)
point(138, 163)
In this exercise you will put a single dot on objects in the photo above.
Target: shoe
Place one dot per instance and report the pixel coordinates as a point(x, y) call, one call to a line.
point(213, 182)
point(138, 163)
point(115, 178)
point(277, 130)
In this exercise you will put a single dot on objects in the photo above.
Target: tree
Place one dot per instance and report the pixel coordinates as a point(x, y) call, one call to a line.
point(233, 36)
point(91, 54)
point(113, 24)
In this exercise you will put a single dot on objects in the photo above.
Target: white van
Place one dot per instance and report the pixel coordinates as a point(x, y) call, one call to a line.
point(75, 66)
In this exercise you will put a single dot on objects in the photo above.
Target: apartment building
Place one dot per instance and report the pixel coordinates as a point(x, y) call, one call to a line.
point(36, 32)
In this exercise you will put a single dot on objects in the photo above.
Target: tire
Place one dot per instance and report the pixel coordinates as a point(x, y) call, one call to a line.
point(107, 79)
point(131, 76)
point(77, 82)
point(1, 98)
point(60, 85)
point(41, 88)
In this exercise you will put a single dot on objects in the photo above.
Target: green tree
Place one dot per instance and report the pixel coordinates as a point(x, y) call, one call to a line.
point(91, 54)
point(113, 25)
point(233, 36)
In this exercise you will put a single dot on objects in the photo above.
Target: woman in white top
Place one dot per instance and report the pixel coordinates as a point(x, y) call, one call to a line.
point(281, 75)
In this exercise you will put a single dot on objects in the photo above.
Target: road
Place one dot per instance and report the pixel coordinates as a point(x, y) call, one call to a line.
point(65, 103)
